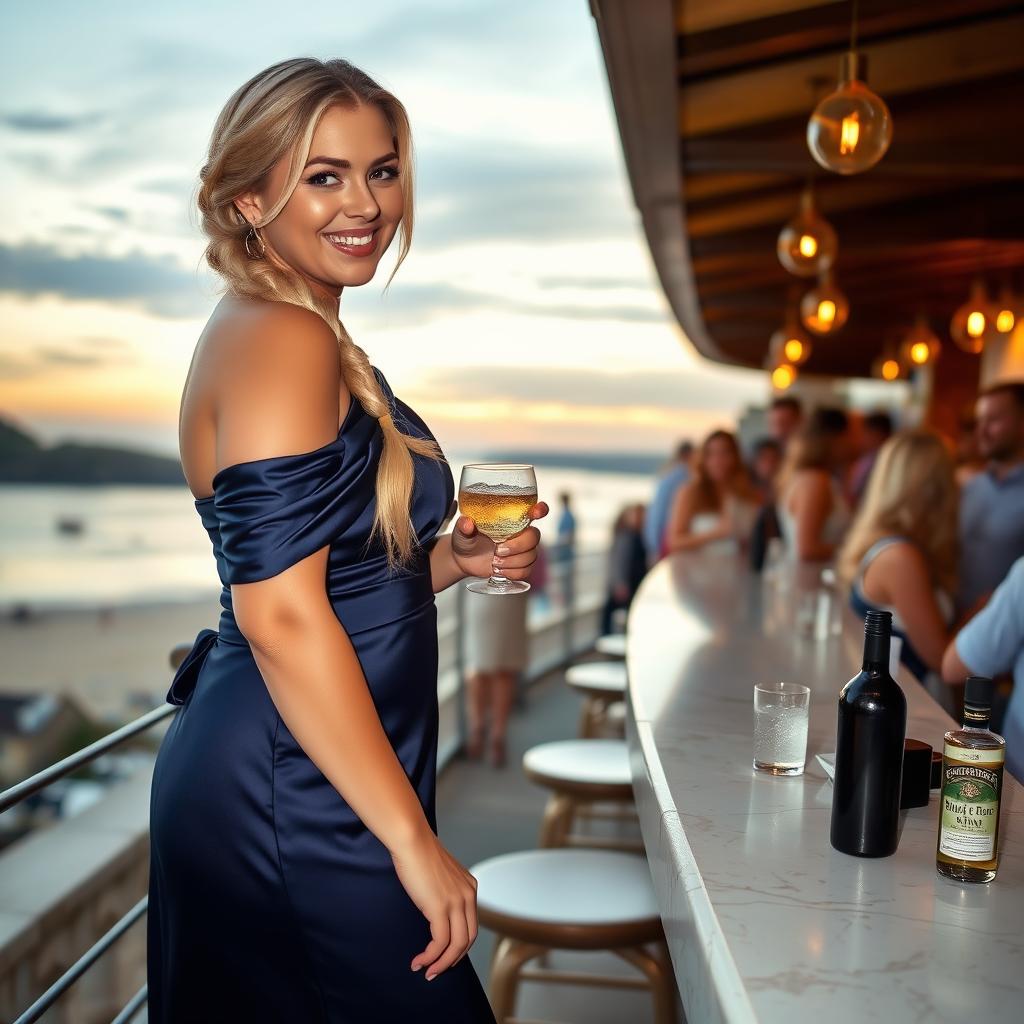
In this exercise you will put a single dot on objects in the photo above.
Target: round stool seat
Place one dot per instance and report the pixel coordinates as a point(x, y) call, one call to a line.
point(606, 676)
point(598, 762)
point(568, 898)
point(611, 643)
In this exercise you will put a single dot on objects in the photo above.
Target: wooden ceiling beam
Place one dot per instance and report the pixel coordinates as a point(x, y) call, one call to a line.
point(744, 260)
point(925, 61)
point(737, 157)
point(775, 208)
point(701, 187)
point(694, 16)
point(900, 275)
point(787, 36)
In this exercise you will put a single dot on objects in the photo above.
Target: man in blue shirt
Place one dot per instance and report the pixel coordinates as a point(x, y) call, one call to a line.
point(660, 508)
point(991, 644)
point(992, 502)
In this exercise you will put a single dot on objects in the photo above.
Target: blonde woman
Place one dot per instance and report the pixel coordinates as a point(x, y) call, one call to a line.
point(900, 555)
point(296, 873)
point(813, 514)
point(716, 509)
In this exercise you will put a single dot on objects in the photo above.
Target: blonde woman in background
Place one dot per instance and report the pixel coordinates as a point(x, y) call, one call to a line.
point(716, 509)
point(813, 514)
point(901, 552)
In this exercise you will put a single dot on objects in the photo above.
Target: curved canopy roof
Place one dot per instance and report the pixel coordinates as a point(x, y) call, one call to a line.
point(712, 99)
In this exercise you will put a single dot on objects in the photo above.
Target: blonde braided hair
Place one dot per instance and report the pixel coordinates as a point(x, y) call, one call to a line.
point(273, 115)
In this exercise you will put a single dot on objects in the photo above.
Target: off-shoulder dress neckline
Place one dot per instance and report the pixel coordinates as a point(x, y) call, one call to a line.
point(277, 458)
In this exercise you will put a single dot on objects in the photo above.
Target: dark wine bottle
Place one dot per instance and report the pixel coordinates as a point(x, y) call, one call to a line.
point(869, 751)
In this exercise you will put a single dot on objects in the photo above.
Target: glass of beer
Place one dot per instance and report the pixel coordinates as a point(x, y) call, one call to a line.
point(498, 498)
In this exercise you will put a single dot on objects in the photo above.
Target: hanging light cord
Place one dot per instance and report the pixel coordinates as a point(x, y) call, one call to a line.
point(853, 25)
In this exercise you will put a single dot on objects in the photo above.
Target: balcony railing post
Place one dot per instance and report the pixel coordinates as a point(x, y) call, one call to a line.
point(460, 662)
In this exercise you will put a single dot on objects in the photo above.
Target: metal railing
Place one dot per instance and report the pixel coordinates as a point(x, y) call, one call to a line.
point(570, 575)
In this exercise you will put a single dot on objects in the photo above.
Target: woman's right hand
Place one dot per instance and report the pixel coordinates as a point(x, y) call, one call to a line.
point(445, 892)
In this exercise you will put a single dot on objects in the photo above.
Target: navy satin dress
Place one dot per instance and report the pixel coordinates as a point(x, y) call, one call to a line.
point(269, 900)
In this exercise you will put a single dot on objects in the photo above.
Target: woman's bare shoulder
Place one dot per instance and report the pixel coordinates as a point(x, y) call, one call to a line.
point(270, 377)
point(250, 322)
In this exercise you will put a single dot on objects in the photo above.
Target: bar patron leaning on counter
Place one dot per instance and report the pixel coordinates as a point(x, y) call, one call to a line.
point(766, 920)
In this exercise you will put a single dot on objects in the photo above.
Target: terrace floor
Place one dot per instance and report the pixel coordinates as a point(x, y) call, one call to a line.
point(483, 811)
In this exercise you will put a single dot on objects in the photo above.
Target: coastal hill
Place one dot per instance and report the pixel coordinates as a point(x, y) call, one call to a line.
point(597, 462)
point(24, 460)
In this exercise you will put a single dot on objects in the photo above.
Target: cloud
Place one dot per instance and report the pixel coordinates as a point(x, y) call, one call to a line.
point(520, 193)
point(593, 282)
point(417, 302)
point(16, 367)
point(684, 391)
point(54, 356)
point(157, 285)
point(116, 213)
point(90, 351)
point(42, 122)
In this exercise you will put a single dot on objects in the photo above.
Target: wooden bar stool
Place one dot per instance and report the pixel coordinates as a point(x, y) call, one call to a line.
point(581, 773)
point(539, 900)
point(613, 644)
point(601, 683)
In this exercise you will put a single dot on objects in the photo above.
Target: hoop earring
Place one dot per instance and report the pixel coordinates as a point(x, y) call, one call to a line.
point(251, 234)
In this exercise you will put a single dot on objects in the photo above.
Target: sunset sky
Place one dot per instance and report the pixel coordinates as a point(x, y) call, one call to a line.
point(527, 313)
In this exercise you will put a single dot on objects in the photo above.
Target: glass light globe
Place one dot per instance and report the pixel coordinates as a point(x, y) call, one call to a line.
point(783, 376)
point(1007, 312)
point(920, 346)
point(973, 324)
point(886, 367)
point(824, 309)
point(851, 128)
point(807, 245)
point(789, 344)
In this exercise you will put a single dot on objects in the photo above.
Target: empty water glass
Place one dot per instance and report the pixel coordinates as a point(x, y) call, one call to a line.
point(780, 727)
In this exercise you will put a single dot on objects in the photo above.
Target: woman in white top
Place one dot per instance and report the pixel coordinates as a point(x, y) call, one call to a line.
point(813, 514)
point(716, 509)
point(901, 552)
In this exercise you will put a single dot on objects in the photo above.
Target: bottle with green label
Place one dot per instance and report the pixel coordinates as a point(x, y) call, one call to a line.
point(972, 783)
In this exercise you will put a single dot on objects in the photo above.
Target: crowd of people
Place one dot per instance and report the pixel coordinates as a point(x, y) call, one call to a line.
point(928, 528)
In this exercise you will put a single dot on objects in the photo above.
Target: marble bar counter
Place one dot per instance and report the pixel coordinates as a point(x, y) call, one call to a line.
point(765, 921)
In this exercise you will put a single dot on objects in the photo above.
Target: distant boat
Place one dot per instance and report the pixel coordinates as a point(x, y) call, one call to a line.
point(71, 525)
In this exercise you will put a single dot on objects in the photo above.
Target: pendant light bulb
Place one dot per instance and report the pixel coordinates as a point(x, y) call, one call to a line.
point(783, 376)
point(886, 367)
point(921, 346)
point(790, 344)
point(851, 128)
point(1007, 311)
point(824, 309)
point(807, 245)
point(974, 323)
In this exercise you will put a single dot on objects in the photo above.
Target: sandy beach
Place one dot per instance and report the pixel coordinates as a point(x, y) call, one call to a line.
point(111, 661)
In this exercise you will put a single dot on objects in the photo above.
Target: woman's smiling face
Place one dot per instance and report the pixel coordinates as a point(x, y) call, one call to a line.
point(346, 207)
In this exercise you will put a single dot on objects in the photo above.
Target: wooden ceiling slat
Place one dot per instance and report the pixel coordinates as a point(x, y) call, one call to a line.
point(1000, 160)
point(812, 31)
point(929, 60)
point(777, 208)
point(702, 15)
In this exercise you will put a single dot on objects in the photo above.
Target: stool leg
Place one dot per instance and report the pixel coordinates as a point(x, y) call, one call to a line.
point(552, 829)
point(587, 719)
point(504, 980)
point(660, 979)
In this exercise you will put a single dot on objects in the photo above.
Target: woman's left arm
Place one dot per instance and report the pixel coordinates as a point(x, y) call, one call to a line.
point(467, 552)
